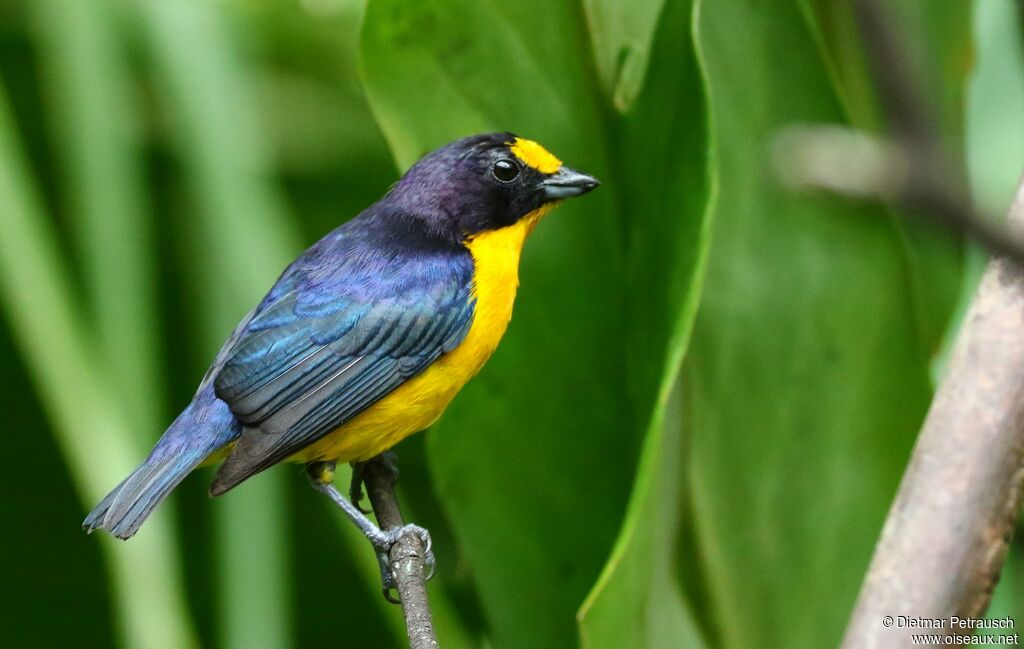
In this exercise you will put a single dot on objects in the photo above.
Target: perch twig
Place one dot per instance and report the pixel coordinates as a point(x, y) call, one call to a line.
point(407, 556)
point(909, 168)
point(947, 533)
point(946, 536)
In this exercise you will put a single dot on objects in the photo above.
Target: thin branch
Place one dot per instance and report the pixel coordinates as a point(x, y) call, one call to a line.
point(852, 163)
point(947, 533)
point(907, 115)
point(909, 168)
point(407, 556)
point(948, 530)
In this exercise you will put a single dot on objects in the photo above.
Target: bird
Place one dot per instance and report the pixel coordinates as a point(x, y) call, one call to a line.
point(366, 337)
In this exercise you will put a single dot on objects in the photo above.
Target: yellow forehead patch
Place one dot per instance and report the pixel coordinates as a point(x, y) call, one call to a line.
point(534, 155)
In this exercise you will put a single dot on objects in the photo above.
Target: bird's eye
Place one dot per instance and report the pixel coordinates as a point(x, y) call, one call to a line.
point(505, 170)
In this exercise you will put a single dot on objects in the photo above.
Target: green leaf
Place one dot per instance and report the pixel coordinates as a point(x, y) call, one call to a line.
point(664, 147)
point(621, 34)
point(533, 462)
point(938, 51)
point(545, 420)
point(807, 378)
point(637, 602)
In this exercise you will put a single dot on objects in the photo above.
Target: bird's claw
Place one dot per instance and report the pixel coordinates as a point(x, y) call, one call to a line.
point(383, 544)
point(355, 487)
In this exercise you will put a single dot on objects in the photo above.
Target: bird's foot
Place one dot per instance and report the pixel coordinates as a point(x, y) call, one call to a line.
point(384, 540)
point(321, 475)
point(355, 487)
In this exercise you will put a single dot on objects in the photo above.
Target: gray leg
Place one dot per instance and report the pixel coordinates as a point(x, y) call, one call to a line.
point(321, 475)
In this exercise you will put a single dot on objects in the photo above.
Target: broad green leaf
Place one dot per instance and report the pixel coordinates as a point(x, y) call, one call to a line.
point(622, 34)
point(534, 460)
point(933, 42)
point(941, 51)
point(638, 602)
point(93, 433)
point(664, 148)
point(545, 421)
point(807, 377)
point(938, 51)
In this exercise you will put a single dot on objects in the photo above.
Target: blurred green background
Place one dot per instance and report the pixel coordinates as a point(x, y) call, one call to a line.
point(693, 430)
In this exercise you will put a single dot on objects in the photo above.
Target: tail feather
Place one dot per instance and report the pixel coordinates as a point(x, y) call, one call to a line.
point(203, 428)
point(95, 518)
point(128, 506)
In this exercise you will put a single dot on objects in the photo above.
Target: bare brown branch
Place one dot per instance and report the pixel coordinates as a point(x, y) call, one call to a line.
point(407, 556)
point(947, 533)
point(948, 530)
point(946, 536)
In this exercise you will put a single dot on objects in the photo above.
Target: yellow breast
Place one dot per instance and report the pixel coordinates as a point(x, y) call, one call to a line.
point(418, 402)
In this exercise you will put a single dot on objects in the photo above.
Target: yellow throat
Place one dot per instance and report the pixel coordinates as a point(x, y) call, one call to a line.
point(419, 402)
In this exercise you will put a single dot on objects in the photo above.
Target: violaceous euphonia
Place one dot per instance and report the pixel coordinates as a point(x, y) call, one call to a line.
point(367, 336)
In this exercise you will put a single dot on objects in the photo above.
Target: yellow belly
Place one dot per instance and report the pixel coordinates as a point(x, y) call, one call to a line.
point(419, 402)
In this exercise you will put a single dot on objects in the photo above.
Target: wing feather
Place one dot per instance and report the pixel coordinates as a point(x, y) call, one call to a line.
point(315, 356)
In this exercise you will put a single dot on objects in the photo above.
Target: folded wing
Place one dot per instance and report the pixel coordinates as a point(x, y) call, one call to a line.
point(316, 356)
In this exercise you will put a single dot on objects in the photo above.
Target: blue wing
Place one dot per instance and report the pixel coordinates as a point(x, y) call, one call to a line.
point(342, 329)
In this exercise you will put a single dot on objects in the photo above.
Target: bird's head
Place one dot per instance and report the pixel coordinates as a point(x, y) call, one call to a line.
point(486, 182)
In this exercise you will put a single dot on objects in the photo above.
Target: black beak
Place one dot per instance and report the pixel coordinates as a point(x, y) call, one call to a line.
point(566, 183)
